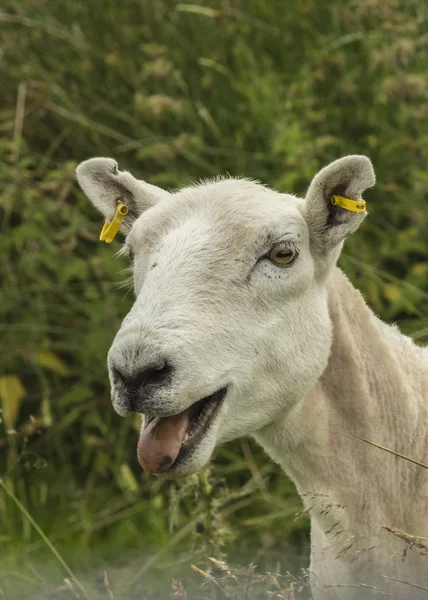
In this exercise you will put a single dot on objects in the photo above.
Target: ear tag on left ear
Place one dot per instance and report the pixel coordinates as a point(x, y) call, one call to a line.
point(110, 228)
point(356, 206)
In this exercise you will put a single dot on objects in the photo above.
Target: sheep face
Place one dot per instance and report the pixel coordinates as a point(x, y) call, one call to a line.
point(230, 325)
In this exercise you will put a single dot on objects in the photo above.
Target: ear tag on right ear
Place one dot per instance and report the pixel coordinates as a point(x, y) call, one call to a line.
point(356, 206)
point(110, 228)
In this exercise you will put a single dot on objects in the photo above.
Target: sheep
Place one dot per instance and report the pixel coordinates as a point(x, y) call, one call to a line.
point(244, 325)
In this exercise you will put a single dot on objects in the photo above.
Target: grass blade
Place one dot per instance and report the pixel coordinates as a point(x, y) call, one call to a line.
point(45, 539)
point(412, 460)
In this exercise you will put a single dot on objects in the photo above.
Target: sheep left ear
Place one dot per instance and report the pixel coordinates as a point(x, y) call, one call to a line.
point(331, 220)
point(104, 185)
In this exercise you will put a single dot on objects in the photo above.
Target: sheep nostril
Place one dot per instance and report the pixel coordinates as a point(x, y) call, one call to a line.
point(157, 375)
point(152, 374)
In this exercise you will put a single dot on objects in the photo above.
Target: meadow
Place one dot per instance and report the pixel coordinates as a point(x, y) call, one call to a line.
point(177, 92)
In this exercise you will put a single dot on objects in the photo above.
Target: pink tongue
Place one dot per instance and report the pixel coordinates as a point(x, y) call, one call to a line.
point(160, 442)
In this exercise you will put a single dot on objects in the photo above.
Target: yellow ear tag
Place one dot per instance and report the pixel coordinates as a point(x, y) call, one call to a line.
point(110, 228)
point(356, 206)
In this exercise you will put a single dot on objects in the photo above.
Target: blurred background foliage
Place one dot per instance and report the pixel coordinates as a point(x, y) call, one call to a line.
point(175, 92)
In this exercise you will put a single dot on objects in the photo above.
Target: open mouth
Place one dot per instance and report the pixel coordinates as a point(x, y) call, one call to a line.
point(166, 442)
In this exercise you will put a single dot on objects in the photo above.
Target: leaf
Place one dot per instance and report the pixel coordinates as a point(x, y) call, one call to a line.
point(76, 395)
point(46, 411)
point(392, 292)
point(128, 480)
point(46, 358)
point(419, 268)
point(11, 393)
point(198, 10)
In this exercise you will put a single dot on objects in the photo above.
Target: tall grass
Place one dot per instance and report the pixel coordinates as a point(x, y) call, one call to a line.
point(177, 91)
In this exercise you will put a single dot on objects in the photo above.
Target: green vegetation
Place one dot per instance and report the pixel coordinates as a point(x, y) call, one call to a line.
point(176, 91)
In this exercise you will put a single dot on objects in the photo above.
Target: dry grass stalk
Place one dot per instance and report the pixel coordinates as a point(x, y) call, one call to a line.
point(412, 540)
point(178, 592)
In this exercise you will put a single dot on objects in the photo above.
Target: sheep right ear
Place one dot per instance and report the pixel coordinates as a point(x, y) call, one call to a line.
point(104, 185)
point(343, 181)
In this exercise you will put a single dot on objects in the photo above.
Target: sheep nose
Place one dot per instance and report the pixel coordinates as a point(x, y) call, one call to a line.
point(153, 374)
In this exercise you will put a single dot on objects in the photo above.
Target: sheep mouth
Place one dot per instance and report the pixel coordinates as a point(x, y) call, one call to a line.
point(167, 442)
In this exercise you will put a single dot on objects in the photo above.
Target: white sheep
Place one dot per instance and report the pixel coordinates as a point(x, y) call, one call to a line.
point(243, 325)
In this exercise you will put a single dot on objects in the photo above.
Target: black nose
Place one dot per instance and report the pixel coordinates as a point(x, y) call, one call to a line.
point(152, 374)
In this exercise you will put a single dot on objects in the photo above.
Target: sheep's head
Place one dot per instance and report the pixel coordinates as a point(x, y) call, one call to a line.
point(230, 325)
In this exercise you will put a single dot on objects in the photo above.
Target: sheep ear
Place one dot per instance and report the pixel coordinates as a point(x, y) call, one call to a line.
point(104, 185)
point(347, 177)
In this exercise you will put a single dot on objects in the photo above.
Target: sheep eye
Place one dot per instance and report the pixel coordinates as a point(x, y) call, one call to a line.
point(282, 256)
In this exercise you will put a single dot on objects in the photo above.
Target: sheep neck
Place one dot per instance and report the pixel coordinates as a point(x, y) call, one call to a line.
point(375, 387)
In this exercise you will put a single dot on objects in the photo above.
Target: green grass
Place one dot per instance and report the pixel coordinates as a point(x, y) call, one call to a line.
point(176, 91)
